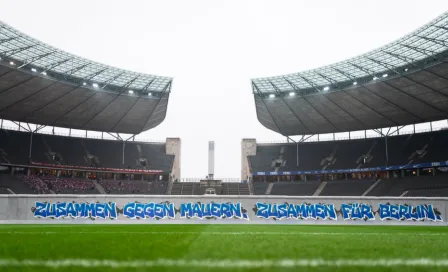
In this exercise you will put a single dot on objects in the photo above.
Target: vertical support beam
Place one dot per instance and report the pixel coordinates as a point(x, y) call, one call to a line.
point(430, 126)
point(102, 135)
point(349, 135)
point(86, 134)
point(297, 153)
point(387, 152)
point(334, 136)
point(31, 147)
point(124, 143)
point(1, 125)
point(365, 134)
point(414, 128)
point(69, 132)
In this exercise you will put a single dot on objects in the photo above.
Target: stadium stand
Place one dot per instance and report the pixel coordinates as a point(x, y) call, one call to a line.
point(42, 86)
point(352, 154)
point(231, 188)
point(346, 187)
point(301, 188)
point(76, 151)
point(134, 187)
point(194, 188)
point(260, 188)
point(15, 185)
point(401, 84)
point(421, 185)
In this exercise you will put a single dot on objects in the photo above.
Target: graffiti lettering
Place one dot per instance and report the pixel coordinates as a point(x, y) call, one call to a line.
point(408, 212)
point(134, 210)
point(212, 210)
point(75, 210)
point(357, 211)
point(302, 211)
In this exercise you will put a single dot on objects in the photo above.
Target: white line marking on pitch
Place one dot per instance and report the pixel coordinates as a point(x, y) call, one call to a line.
point(225, 263)
point(231, 233)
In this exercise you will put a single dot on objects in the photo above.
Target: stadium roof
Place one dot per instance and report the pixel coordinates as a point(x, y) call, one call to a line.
point(402, 83)
point(44, 85)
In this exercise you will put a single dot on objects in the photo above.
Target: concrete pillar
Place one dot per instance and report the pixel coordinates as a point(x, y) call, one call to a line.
point(173, 146)
point(248, 148)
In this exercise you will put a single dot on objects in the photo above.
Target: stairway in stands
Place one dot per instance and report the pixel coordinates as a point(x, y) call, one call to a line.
point(269, 189)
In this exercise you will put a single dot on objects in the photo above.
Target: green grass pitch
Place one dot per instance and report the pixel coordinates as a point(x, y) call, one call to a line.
point(222, 248)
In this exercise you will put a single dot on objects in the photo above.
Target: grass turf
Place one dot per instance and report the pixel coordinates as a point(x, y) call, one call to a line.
point(206, 242)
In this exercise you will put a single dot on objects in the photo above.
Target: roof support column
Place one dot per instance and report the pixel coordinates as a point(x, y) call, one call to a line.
point(124, 144)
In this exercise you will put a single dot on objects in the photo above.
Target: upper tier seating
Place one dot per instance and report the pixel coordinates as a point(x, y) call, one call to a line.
point(14, 149)
point(352, 154)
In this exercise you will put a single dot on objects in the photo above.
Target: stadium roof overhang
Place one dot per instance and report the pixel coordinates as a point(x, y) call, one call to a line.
point(405, 82)
point(43, 85)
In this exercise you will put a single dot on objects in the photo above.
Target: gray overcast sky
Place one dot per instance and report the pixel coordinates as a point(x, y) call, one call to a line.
point(213, 48)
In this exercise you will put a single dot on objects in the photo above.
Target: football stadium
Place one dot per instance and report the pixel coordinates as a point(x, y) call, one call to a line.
point(355, 186)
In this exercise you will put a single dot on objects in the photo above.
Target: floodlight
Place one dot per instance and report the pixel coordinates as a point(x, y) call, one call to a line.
point(385, 75)
point(326, 88)
point(355, 83)
point(95, 85)
point(271, 95)
point(12, 63)
point(131, 91)
point(33, 69)
point(44, 73)
point(149, 94)
point(292, 94)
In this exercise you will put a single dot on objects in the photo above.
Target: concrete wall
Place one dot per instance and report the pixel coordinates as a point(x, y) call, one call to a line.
point(110, 209)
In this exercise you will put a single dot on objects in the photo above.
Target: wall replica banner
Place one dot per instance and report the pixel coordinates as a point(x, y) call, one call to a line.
point(342, 171)
point(48, 209)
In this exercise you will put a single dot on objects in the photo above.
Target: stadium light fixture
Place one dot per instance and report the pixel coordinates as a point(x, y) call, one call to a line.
point(375, 78)
point(326, 88)
point(149, 94)
point(355, 83)
point(406, 69)
point(34, 70)
point(385, 75)
point(95, 85)
point(292, 94)
point(131, 91)
point(271, 95)
point(84, 83)
point(44, 73)
point(12, 63)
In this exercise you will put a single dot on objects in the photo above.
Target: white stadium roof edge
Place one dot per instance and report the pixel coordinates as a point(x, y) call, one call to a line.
point(402, 83)
point(43, 85)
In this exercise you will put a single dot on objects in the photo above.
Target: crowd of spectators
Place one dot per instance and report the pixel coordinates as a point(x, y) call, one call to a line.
point(42, 184)
point(37, 184)
point(69, 185)
point(48, 184)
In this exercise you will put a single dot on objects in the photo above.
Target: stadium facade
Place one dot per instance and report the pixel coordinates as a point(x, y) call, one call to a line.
point(385, 90)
